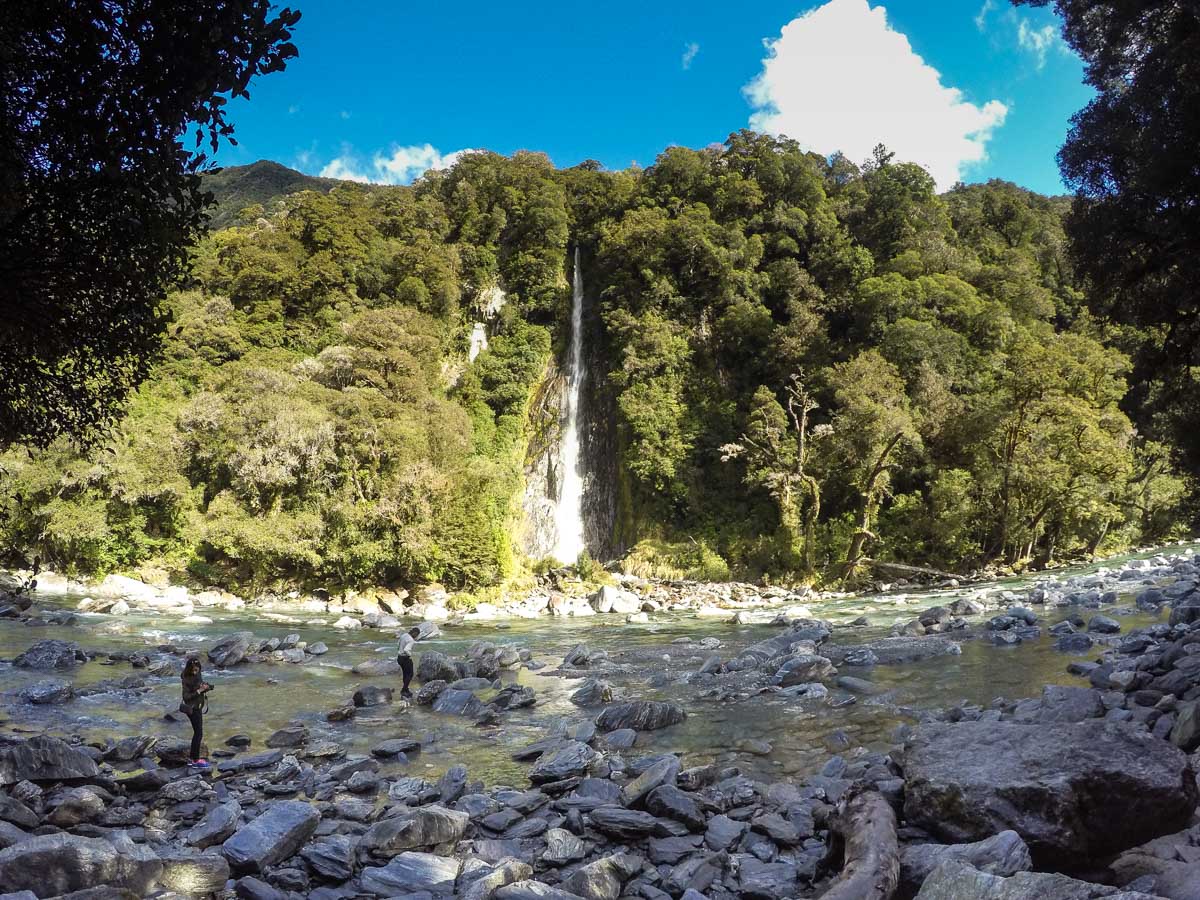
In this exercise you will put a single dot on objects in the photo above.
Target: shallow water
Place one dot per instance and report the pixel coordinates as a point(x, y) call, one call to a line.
point(257, 699)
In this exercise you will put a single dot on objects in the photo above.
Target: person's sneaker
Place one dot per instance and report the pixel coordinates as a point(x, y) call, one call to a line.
point(406, 694)
point(199, 764)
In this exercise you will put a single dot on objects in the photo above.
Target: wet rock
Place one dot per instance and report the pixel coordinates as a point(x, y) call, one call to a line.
point(670, 850)
point(130, 748)
point(371, 695)
point(669, 802)
point(288, 737)
point(424, 827)
point(434, 666)
point(803, 668)
point(48, 691)
point(429, 692)
point(1073, 791)
point(723, 832)
point(954, 880)
point(695, 874)
point(614, 600)
point(217, 826)
point(51, 654)
point(1002, 854)
point(232, 649)
point(410, 873)
point(1103, 625)
point(640, 715)
point(578, 657)
point(593, 692)
point(514, 696)
point(331, 858)
point(458, 703)
point(604, 878)
point(193, 874)
point(896, 650)
point(316, 649)
point(562, 847)
point(395, 747)
point(572, 759)
point(272, 837)
point(53, 864)
point(661, 773)
point(1069, 704)
point(453, 784)
point(1074, 643)
point(377, 668)
point(44, 758)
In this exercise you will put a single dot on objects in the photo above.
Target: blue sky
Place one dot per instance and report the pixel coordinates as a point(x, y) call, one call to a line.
point(971, 89)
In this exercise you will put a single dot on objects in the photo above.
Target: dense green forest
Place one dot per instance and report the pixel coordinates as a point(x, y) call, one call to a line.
point(811, 362)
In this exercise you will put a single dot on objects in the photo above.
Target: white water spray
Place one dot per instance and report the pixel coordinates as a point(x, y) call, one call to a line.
point(478, 341)
point(568, 515)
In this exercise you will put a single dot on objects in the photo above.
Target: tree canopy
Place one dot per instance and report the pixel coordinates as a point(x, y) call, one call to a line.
point(101, 197)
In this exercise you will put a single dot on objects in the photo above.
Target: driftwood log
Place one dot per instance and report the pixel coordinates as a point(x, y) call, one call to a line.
point(866, 829)
point(903, 571)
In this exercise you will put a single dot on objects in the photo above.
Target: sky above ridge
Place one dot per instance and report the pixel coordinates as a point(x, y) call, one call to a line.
point(382, 91)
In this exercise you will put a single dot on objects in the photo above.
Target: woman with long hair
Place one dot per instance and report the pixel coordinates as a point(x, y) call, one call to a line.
point(194, 705)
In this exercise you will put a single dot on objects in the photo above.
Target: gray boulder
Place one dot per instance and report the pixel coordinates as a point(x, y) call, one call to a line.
point(954, 880)
point(48, 691)
point(1002, 854)
point(331, 858)
point(434, 666)
point(802, 669)
point(51, 654)
point(44, 758)
point(232, 649)
point(505, 872)
point(193, 874)
point(53, 864)
point(894, 650)
point(370, 695)
point(604, 878)
point(410, 873)
point(640, 715)
point(272, 837)
point(217, 826)
point(420, 828)
point(1073, 791)
point(458, 703)
point(533, 890)
point(562, 847)
point(572, 759)
point(593, 692)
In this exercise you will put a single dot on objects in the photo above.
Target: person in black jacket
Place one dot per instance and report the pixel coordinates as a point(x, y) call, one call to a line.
point(194, 705)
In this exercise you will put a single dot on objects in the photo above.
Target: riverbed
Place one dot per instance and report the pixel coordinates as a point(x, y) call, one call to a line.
point(650, 662)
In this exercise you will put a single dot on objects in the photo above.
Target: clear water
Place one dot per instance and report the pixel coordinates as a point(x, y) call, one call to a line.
point(257, 699)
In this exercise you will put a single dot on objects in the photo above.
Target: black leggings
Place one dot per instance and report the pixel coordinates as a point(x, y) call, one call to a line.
point(406, 667)
point(196, 717)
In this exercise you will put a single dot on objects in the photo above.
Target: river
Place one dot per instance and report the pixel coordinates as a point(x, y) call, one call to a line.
point(257, 699)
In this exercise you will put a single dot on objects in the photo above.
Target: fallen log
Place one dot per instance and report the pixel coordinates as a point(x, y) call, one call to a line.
point(866, 828)
point(905, 571)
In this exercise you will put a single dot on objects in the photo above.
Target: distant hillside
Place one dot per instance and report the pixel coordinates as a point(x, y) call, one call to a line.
point(237, 187)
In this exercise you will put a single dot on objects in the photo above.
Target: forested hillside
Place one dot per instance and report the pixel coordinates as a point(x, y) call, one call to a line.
point(810, 363)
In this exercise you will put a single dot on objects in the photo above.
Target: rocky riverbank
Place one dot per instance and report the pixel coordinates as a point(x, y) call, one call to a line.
point(1087, 790)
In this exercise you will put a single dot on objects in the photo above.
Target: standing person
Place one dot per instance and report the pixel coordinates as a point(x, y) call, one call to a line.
point(194, 704)
point(405, 643)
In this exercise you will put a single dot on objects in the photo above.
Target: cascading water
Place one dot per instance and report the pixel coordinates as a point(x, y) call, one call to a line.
point(568, 514)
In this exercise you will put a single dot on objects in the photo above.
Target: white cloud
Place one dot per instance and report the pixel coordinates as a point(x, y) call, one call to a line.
point(1037, 41)
point(345, 114)
point(840, 78)
point(984, 11)
point(402, 166)
point(689, 53)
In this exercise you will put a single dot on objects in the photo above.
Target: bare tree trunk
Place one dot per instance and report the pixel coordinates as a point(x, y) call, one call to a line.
point(866, 826)
point(855, 552)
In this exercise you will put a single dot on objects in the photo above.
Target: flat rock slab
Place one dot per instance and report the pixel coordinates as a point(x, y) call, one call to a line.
point(957, 881)
point(410, 873)
point(894, 650)
point(640, 715)
point(1073, 791)
point(53, 864)
point(272, 837)
point(44, 758)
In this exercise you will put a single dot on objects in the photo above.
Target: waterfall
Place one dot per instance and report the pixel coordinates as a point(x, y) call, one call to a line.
point(478, 341)
point(568, 515)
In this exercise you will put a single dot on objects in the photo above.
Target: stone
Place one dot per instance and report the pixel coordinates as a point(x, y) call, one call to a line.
point(640, 715)
point(1002, 854)
point(53, 864)
point(1185, 733)
point(1073, 791)
point(43, 758)
point(458, 703)
point(75, 806)
point(51, 654)
point(410, 873)
point(14, 811)
point(1069, 704)
point(623, 824)
point(661, 773)
point(669, 802)
point(803, 668)
point(231, 650)
point(604, 878)
point(395, 747)
point(193, 874)
point(289, 736)
point(47, 692)
point(533, 890)
point(420, 828)
point(217, 826)
point(1103, 625)
point(331, 858)
point(369, 695)
point(377, 668)
point(572, 759)
point(670, 850)
point(251, 888)
point(505, 872)
point(272, 837)
point(954, 880)
point(723, 832)
point(758, 880)
point(895, 650)
point(593, 692)
point(434, 666)
point(562, 847)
